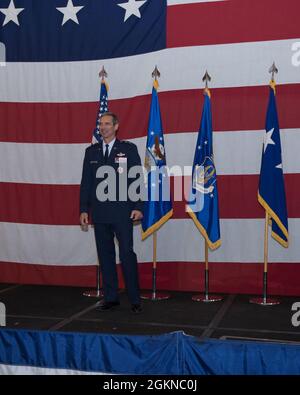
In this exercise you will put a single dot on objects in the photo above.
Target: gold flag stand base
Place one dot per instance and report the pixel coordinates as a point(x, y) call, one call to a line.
point(155, 296)
point(265, 301)
point(206, 298)
point(93, 293)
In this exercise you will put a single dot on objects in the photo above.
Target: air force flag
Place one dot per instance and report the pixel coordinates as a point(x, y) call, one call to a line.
point(158, 208)
point(203, 201)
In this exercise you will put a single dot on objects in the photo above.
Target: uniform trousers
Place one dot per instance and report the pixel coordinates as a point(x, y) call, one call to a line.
point(104, 234)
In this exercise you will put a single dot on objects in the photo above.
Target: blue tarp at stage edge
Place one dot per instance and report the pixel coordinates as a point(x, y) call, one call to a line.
point(173, 353)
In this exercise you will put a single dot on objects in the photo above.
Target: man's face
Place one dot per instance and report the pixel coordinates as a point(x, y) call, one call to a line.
point(107, 129)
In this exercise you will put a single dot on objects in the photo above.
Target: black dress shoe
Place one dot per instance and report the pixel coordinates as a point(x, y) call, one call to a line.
point(136, 308)
point(107, 306)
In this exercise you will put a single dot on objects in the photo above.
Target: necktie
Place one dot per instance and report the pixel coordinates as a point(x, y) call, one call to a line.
point(106, 153)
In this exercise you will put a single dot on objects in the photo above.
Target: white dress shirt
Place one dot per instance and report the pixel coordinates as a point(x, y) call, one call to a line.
point(110, 145)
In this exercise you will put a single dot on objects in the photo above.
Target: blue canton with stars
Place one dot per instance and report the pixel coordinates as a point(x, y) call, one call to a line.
point(70, 30)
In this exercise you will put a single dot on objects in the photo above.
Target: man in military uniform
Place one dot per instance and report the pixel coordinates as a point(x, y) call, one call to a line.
point(112, 215)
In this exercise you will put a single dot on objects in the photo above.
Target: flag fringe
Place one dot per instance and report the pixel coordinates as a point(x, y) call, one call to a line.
point(273, 86)
point(275, 217)
point(211, 245)
point(106, 85)
point(157, 225)
point(207, 92)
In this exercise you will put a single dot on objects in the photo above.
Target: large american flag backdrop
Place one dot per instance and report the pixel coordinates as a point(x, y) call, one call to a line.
point(49, 91)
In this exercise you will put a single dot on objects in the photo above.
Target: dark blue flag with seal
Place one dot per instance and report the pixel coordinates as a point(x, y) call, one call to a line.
point(158, 207)
point(203, 205)
point(271, 190)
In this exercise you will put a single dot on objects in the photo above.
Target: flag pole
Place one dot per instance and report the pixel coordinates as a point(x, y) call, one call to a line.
point(206, 297)
point(97, 293)
point(265, 301)
point(266, 245)
point(154, 295)
point(206, 277)
point(154, 265)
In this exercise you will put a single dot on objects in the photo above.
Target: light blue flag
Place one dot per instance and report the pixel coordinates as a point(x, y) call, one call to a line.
point(158, 208)
point(103, 107)
point(271, 191)
point(203, 206)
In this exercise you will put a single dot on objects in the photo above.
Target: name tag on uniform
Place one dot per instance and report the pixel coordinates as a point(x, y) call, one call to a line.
point(93, 161)
point(120, 160)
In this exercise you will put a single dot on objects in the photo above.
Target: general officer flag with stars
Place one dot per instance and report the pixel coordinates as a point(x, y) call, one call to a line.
point(271, 191)
point(158, 207)
point(203, 204)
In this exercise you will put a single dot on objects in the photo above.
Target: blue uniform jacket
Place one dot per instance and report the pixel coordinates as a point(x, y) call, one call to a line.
point(123, 153)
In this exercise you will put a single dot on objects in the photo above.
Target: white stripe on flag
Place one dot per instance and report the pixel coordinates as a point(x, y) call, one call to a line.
point(178, 240)
point(235, 153)
point(230, 65)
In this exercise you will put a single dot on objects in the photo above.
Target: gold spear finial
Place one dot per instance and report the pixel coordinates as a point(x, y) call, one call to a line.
point(155, 73)
point(103, 73)
point(206, 78)
point(273, 70)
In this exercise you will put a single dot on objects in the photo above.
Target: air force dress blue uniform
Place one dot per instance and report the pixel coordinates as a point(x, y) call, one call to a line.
point(112, 217)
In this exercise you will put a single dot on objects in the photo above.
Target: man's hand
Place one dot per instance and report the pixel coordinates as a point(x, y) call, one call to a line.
point(136, 215)
point(84, 221)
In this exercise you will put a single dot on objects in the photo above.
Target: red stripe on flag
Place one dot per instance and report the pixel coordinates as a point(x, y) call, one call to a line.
point(39, 204)
point(59, 204)
point(47, 122)
point(238, 197)
point(231, 22)
point(233, 109)
point(244, 278)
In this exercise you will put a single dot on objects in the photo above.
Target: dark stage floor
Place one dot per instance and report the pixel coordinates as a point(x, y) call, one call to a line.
point(66, 309)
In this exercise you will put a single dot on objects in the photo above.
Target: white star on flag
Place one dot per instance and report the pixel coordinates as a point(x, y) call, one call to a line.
point(70, 12)
point(11, 13)
point(268, 139)
point(132, 8)
point(279, 166)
